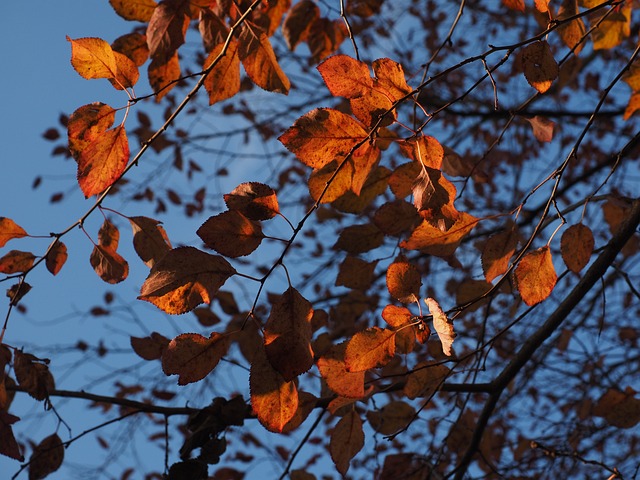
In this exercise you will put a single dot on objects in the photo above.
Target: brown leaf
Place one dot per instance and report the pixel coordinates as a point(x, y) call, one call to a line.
point(56, 257)
point(424, 380)
point(620, 409)
point(325, 36)
point(298, 22)
point(46, 458)
point(151, 347)
point(356, 239)
point(231, 234)
point(16, 261)
point(166, 30)
point(347, 439)
point(212, 28)
point(163, 75)
point(396, 217)
point(540, 68)
point(442, 325)
point(371, 348)
point(259, 60)
point(134, 46)
point(433, 197)
point(514, 4)
point(356, 273)
point(432, 240)
point(346, 76)
point(10, 230)
point(223, 81)
point(254, 200)
point(274, 400)
point(184, 278)
point(287, 335)
point(403, 178)
point(150, 240)
point(102, 162)
point(33, 375)
point(8, 445)
point(192, 356)
point(109, 236)
point(87, 124)
point(138, 10)
point(17, 291)
point(403, 281)
point(536, 276)
point(334, 371)
point(498, 251)
point(542, 128)
point(93, 58)
point(109, 265)
point(576, 246)
point(391, 418)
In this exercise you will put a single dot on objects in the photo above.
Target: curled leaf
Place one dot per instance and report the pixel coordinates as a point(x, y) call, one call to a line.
point(442, 325)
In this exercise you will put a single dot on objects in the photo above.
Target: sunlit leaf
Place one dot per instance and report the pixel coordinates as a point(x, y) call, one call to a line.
point(109, 236)
point(576, 246)
point(133, 45)
point(514, 4)
point(573, 31)
point(231, 234)
point(254, 200)
point(163, 75)
point(127, 73)
point(433, 197)
point(150, 240)
point(347, 439)
point(536, 276)
point(46, 457)
point(192, 356)
point(10, 230)
point(223, 81)
point(184, 278)
point(614, 29)
point(140, 10)
point(87, 124)
point(633, 106)
point(497, 252)
point(425, 150)
point(346, 76)
point(540, 68)
point(371, 348)
point(403, 281)
point(16, 261)
point(390, 75)
point(442, 325)
point(93, 58)
point(259, 61)
point(325, 36)
point(429, 239)
point(334, 371)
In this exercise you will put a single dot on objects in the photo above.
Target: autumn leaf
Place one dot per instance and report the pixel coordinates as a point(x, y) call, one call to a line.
point(223, 81)
point(8, 445)
point(16, 261)
point(192, 356)
point(127, 73)
point(321, 135)
point(397, 217)
point(259, 60)
point(334, 371)
point(93, 58)
point(573, 31)
point(356, 239)
point(151, 347)
point(425, 150)
point(109, 235)
point(433, 197)
point(620, 409)
point(403, 281)
point(254, 200)
point(540, 68)
point(163, 75)
point(374, 107)
point(514, 4)
point(612, 30)
point(391, 418)
point(355, 273)
point(442, 325)
point(231, 234)
point(33, 375)
point(542, 128)
point(497, 252)
point(375, 185)
point(212, 28)
point(371, 348)
point(56, 257)
point(425, 380)
point(150, 240)
point(536, 276)
point(109, 265)
point(10, 230)
point(86, 124)
point(429, 239)
point(133, 45)
point(407, 330)
point(184, 278)
point(166, 30)
point(347, 439)
point(325, 36)
point(287, 335)
point(46, 457)
point(576, 246)
point(346, 76)
point(17, 291)
point(274, 400)
point(390, 75)
point(138, 10)
point(633, 106)
point(298, 22)
point(102, 162)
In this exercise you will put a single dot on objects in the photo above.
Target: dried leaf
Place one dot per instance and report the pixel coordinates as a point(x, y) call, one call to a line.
point(254, 200)
point(46, 458)
point(166, 30)
point(87, 124)
point(346, 76)
point(356, 239)
point(287, 335)
point(192, 356)
point(432, 240)
point(223, 81)
point(138, 10)
point(298, 22)
point(542, 128)
point(576, 246)
point(371, 348)
point(573, 31)
point(614, 29)
point(127, 73)
point(150, 240)
point(259, 61)
point(212, 28)
point(403, 281)
point(56, 257)
point(151, 347)
point(93, 58)
point(540, 68)
point(33, 375)
point(10, 230)
point(347, 439)
point(497, 252)
point(396, 217)
point(16, 261)
point(334, 371)
point(433, 197)
point(536, 276)
point(325, 36)
point(356, 273)
point(163, 76)
point(231, 234)
point(8, 445)
point(108, 264)
point(425, 380)
point(109, 236)
point(184, 278)
point(425, 150)
point(134, 46)
point(17, 291)
point(390, 76)
point(391, 418)
point(442, 325)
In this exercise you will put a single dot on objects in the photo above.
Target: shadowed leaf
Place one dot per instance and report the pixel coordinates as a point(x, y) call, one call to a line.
point(192, 356)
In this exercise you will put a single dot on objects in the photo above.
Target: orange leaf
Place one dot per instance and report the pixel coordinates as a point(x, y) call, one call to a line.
point(274, 400)
point(371, 105)
point(150, 240)
point(231, 234)
point(633, 106)
point(254, 200)
point(109, 236)
point(140, 10)
point(321, 135)
point(184, 278)
point(108, 264)
point(334, 371)
point(212, 28)
point(346, 76)
point(402, 179)
point(298, 22)
point(192, 356)
point(127, 74)
point(151, 347)
point(16, 261)
point(396, 316)
point(433, 241)
point(223, 81)
point(371, 348)
point(306, 403)
point(325, 36)
point(163, 76)
point(102, 162)
point(540, 68)
point(514, 4)
point(614, 29)
point(375, 185)
point(56, 257)
point(442, 325)
point(576, 246)
point(356, 273)
point(347, 439)
point(259, 61)
point(573, 31)
point(134, 46)
point(425, 380)
point(403, 281)
point(287, 335)
point(88, 123)
point(10, 230)
point(536, 276)
point(166, 30)
point(46, 457)
point(425, 150)
point(356, 239)
point(391, 418)
point(390, 76)
point(498, 251)
point(433, 197)
point(93, 58)
point(8, 444)
point(542, 128)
